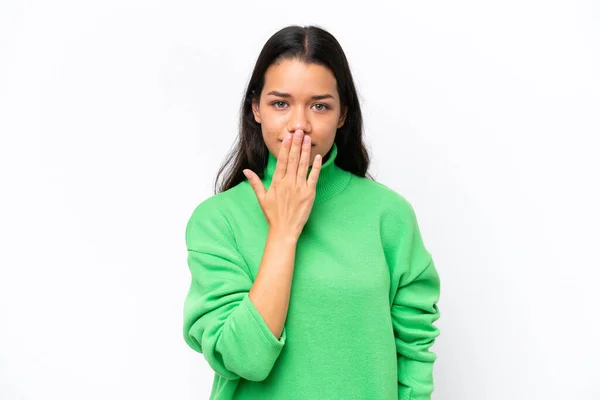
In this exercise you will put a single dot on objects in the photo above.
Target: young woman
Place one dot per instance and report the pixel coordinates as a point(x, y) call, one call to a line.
point(309, 280)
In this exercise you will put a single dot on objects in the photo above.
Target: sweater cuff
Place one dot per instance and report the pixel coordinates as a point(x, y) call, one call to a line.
point(416, 381)
point(251, 347)
point(254, 314)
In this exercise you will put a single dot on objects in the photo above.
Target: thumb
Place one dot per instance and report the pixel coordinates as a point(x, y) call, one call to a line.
point(255, 183)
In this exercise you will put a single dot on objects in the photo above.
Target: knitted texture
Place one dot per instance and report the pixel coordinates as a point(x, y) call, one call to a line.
point(362, 305)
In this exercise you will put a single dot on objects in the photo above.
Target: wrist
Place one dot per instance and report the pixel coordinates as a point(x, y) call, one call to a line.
point(283, 236)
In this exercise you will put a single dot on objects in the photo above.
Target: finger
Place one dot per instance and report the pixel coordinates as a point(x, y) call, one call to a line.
point(255, 183)
point(292, 165)
point(282, 158)
point(304, 160)
point(314, 173)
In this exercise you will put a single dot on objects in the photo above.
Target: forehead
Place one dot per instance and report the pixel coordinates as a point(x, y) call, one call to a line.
point(299, 78)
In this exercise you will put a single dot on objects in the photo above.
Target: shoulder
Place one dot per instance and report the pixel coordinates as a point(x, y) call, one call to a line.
point(398, 224)
point(209, 217)
point(395, 213)
point(391, 203)
point(218, 204)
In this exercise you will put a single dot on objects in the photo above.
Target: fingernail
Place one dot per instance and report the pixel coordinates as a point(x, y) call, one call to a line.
point(298, 133)
point(288, 137)
point(245, 173)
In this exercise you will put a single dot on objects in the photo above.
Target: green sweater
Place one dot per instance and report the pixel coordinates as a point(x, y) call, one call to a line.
point(362, 305)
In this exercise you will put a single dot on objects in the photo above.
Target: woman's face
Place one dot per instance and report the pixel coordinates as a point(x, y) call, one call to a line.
point(297, 95)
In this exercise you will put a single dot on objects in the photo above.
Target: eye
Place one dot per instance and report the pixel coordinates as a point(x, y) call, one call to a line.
point(324, 106)
point(277, 102)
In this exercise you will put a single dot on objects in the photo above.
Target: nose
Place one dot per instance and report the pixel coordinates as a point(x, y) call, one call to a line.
point(298, 120)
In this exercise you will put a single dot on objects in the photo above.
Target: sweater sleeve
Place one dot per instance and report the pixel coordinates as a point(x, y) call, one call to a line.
point(219, 319)
point(414, 310)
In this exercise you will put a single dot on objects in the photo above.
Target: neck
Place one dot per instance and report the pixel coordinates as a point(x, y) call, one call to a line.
point(332, 179)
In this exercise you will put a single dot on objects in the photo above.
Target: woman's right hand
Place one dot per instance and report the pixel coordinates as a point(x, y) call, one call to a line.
point(291, 195)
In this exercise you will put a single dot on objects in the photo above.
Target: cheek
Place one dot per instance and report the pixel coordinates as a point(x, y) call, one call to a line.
point(326, 123)
point(272, 123)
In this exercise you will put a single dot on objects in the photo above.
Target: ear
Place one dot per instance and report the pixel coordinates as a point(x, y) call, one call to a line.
point(256, 111)
point(342, 117)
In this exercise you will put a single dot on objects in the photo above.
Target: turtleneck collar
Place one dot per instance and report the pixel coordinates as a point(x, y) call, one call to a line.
point(332, 179)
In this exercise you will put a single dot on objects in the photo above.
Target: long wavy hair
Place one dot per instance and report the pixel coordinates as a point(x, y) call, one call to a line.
point(310, 44)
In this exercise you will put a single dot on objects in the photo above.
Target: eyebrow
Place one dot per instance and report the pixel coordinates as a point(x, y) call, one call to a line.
point(286, 95)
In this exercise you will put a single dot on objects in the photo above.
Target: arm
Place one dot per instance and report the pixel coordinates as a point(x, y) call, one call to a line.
point(221, 320)
point(414, 310)
point(270, 292)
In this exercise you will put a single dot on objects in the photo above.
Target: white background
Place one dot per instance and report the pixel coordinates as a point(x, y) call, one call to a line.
point(114, 119)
